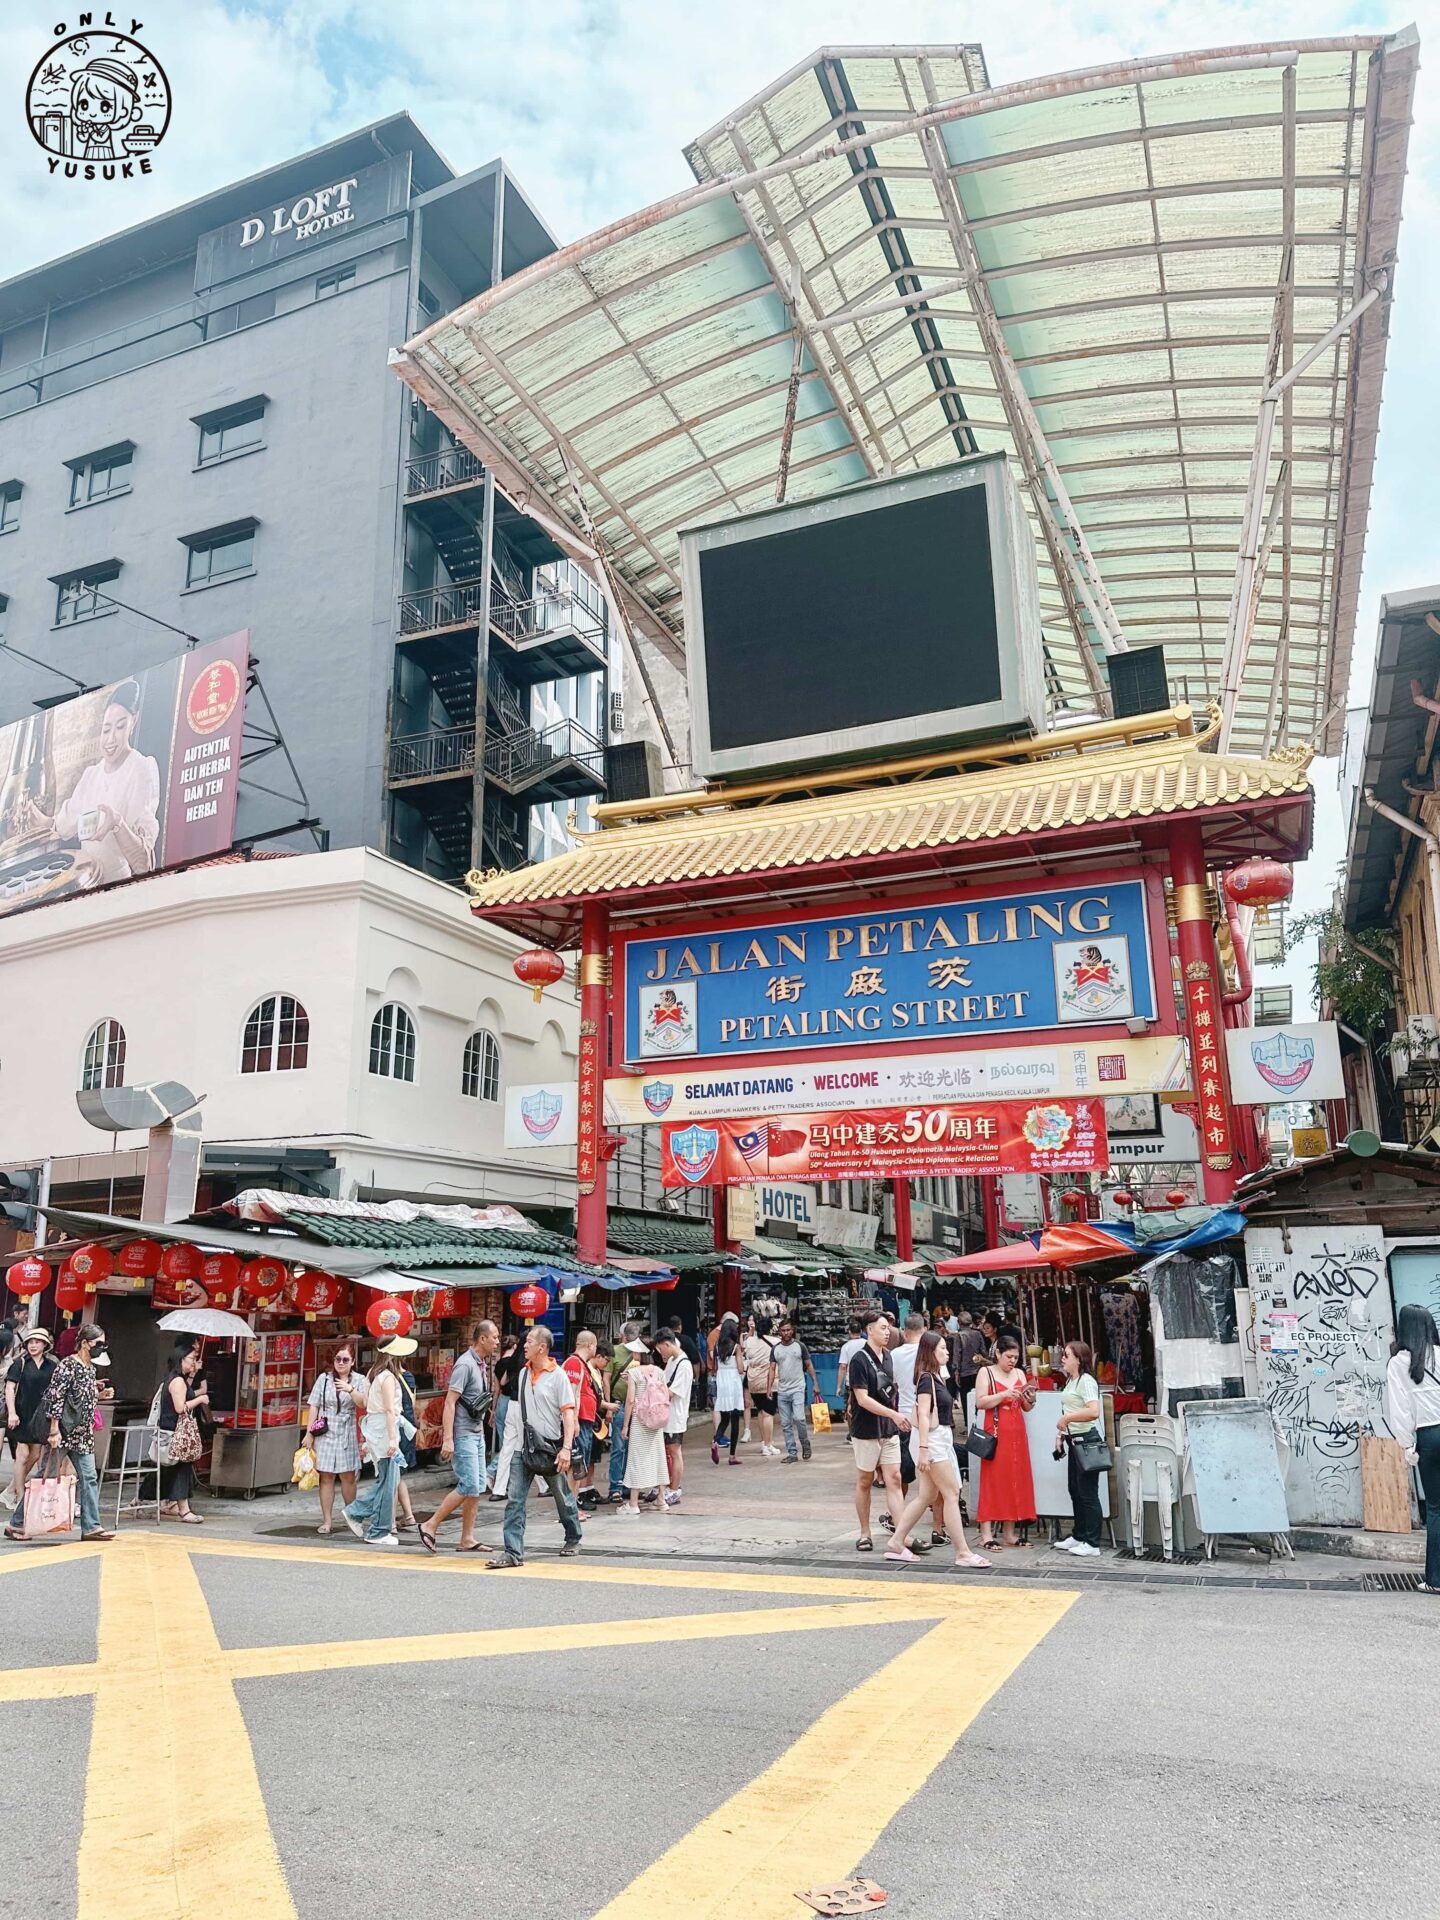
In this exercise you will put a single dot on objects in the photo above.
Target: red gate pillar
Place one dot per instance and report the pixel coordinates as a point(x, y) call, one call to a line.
point(904, 1240)
point(1204, 1012)
point(592, 1175)
point(990, 1207)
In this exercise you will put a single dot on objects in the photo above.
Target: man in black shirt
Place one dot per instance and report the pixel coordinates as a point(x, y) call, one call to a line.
point(875, 1425)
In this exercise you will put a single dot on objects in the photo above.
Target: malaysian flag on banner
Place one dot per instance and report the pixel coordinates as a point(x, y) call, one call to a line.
point(755, 1145)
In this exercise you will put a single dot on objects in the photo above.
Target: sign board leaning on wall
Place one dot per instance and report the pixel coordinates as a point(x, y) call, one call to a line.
point(1270, 1065)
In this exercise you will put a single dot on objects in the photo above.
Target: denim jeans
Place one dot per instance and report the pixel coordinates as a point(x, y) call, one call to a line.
point(469, 1462)
point(619, 1451)
point(375, 1508)
point(557, 1486)
point(87, 1490)
point(792, 1418)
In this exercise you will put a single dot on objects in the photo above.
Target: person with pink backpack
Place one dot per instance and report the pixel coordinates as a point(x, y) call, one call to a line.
point(647, 1413)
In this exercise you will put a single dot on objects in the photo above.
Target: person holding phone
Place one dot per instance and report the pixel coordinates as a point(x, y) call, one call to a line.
point(1080, 1414)
point(1004, 1393)
point(184, 1393)
point(336, 1401)
point(937, 1470)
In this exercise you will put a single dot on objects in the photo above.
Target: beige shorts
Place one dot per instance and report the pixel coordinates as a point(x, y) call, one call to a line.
point(870, 1454)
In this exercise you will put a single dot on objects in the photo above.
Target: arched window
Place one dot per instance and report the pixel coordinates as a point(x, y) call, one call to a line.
point(480, 1069)
point(276, 1037)
point(104, 1063)
point(392, 1043)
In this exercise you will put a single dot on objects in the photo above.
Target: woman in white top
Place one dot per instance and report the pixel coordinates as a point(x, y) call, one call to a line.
point(645, 1468)
point(1412, 1411)
point(114, 808)
point(729, 1390)
point(371, 1518)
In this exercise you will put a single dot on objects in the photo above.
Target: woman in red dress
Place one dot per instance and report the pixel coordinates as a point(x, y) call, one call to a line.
point(1007, 1491)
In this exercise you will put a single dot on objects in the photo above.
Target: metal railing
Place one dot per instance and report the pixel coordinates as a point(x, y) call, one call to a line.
point(434, 472)
point(426, 756)
point(533, 620)
point(452, 606)
point(519, 757)
point(503, 841)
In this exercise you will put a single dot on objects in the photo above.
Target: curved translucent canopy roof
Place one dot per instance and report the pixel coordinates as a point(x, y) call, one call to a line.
point(888, 264)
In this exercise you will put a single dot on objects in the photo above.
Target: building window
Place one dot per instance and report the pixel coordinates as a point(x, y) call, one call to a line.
point(230, 431)
point(392, 1044)
point(219, 555)
point(100, 476)
point(79, 595)
point(260, 306)
point(104, 1064)
point(10, 506)
point(277, 1036)
point(1274, 1006)
point(332, 282)
point(480, 1069)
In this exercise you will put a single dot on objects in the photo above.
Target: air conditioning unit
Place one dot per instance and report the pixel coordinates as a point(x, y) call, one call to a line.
point(1399, 1051)
point(1422, 1031)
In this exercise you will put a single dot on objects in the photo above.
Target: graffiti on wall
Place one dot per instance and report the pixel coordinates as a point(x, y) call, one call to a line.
point(1322, 1330)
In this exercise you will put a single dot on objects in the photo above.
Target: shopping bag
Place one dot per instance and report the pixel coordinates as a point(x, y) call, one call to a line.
point(303, 1471)
point(819, 1416)
point(49, 1499)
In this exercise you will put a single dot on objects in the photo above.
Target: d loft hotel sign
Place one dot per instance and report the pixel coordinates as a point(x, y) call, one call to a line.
point(271, 235)
point(1068, 958)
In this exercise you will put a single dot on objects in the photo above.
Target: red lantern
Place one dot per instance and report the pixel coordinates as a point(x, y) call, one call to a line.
point(73, 1293)
point(538, 968)
point(28, 1276)
point(317, 1293)
point(1124, 1199)
point(91, 1265)
point(389, 1318)
point(261, 1279)
point(1074, 1198)
point(139, 1259)
point(179, 1263)
point(1259, 882)
point(528, 1303)
point(1176, 1197)
point(220, 1277)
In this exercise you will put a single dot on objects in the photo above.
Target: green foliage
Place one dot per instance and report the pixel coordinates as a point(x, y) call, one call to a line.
point(1359, 987)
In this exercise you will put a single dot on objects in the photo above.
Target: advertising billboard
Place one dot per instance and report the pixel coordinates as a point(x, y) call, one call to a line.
point(891, 617)
point(969, 965)
point(140, 774)
point(883, 1143)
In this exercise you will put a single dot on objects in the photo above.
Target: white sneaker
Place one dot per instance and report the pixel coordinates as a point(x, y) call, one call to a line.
point(1067, 1545)
point(354, 1525)
point(746, 1434)
point(1082, 1550)
point(9, 1500)
point(383, 1540)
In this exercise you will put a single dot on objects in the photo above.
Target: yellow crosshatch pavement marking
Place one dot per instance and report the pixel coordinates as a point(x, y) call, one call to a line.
point(154, 1848)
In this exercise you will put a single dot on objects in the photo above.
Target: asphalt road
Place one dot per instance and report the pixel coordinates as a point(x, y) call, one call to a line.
point(417, 1735)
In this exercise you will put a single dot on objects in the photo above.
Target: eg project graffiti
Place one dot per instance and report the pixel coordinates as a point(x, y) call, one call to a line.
point(98, 101)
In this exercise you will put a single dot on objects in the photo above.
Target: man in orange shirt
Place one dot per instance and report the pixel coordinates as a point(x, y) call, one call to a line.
point(549, 1408)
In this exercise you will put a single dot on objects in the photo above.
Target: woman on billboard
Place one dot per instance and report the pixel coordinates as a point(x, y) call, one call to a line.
point(114, 809)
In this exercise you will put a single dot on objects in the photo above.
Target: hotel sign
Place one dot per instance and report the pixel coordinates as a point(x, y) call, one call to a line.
point(972, 965)
point(270, 234)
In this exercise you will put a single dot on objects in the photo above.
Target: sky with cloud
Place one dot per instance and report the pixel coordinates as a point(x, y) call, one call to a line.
point(591, 102)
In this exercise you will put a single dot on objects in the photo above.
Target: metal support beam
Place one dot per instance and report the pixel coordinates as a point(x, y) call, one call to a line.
point(1242, 598)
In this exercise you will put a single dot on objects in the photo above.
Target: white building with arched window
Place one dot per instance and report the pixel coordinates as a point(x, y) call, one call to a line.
point(348, 1022)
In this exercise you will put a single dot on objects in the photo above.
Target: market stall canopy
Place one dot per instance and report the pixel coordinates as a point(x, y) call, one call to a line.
point(1012, 1259)
point(888, 264)
point(345, 1262)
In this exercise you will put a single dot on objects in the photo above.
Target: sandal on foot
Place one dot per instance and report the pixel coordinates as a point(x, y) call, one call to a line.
point(504, 1560)
point(975, 1560)
point(193, 1519)
point(427, 1538)
point(324, 1529)
point(864, 1544)
point(903, 1558)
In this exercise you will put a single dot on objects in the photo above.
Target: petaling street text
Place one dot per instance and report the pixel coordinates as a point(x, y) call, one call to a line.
point(897, 1016)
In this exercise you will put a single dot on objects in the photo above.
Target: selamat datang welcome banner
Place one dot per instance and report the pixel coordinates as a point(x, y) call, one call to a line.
point(141, 774)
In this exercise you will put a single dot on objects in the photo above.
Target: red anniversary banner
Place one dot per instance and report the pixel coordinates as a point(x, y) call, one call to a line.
point(881, 1143)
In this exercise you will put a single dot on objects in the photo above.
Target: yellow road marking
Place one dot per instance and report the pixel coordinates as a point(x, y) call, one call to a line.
point(162, 1841)
point(813, 1816)
point(572, 1636)
point(175, 1822)
point(65, 1556)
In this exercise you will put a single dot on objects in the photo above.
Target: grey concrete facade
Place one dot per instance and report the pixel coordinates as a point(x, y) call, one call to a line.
point(139, 340)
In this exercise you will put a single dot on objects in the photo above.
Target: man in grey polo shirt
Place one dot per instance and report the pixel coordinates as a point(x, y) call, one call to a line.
point(547, 1406)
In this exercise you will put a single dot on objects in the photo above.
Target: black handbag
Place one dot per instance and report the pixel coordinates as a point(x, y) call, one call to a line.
point(981, 1443)
point(1092, 1451)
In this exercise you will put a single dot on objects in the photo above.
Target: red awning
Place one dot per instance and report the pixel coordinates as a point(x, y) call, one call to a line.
point(1078, 1245)
point(995, 1260)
